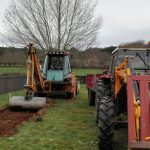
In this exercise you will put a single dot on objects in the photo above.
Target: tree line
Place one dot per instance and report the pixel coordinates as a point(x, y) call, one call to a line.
point(90, 58)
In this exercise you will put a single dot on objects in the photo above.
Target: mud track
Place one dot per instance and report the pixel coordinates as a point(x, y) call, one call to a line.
point(11, 119)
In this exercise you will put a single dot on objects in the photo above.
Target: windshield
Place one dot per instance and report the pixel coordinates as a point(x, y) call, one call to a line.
point(56, 62)
point(140, 58)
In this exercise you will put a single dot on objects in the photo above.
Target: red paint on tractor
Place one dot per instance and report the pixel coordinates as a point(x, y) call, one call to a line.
point(91, 79)
point(144, 82)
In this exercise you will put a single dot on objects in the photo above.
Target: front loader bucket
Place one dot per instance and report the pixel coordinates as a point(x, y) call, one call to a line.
point(21, 102)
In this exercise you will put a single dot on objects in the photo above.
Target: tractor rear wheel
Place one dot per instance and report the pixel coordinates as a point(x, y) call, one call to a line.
point(103, 89)
point(105, 123)
point(91, 97)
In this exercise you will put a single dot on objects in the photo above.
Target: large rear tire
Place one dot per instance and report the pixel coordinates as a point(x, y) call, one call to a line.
point(103, 89)
point(106, 123)
point(91, 97)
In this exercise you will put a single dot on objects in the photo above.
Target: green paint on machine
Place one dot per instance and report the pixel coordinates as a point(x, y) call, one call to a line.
point(55, 75)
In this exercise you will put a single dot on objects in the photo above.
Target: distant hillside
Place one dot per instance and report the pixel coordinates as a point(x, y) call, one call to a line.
point(14, 56)
point(90, 58)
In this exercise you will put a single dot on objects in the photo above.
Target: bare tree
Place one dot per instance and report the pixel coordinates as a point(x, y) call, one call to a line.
point(59, 24)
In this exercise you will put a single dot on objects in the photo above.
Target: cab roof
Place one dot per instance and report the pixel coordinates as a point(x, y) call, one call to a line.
point(63, 53)
point(132, 49)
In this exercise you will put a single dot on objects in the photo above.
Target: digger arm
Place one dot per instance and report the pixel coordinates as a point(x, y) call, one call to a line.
point(35, 85)
point(35, 82)
point(121, 73)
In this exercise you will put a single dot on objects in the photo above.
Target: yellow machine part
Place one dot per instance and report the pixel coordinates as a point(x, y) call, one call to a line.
point(34, 83)
point(75, 85)
point(121, 74)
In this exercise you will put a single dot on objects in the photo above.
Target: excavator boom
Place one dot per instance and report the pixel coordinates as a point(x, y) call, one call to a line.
point(35, 84)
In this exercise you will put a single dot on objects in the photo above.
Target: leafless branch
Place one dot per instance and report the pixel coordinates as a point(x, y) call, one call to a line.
point(59, 24)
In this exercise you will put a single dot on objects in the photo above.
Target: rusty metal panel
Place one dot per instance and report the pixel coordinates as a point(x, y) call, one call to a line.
point(9, 83)
point(145, 110)
point(144, 83)
point(131, 117)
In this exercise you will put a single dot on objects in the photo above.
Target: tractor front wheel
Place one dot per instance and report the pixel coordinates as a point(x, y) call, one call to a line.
point(105, 123)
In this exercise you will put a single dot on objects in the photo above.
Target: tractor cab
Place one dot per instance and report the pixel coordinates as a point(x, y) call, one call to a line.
point(56, 66)
point(139, 59)
point(57, 70)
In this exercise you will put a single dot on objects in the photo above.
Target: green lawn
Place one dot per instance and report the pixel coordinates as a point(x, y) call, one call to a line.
point(4, 98)
point(65, 126)
point(83, 72)
point(12, 70)
point(22, 70)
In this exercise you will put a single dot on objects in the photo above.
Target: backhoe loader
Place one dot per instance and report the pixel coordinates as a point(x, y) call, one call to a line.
point(54, 77)
point(125, 89)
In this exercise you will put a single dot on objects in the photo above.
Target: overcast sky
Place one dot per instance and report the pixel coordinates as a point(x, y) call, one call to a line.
point(123, 20)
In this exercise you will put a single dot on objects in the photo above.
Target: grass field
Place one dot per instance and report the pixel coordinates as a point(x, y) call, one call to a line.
point(65, 126)
point(22, 70)
point(12, 70)
point(84, 72)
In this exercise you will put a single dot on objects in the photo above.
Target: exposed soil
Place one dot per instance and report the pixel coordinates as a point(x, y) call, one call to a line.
point(11, 119)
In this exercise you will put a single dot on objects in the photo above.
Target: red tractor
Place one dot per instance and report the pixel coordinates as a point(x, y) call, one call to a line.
point(124, 89)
